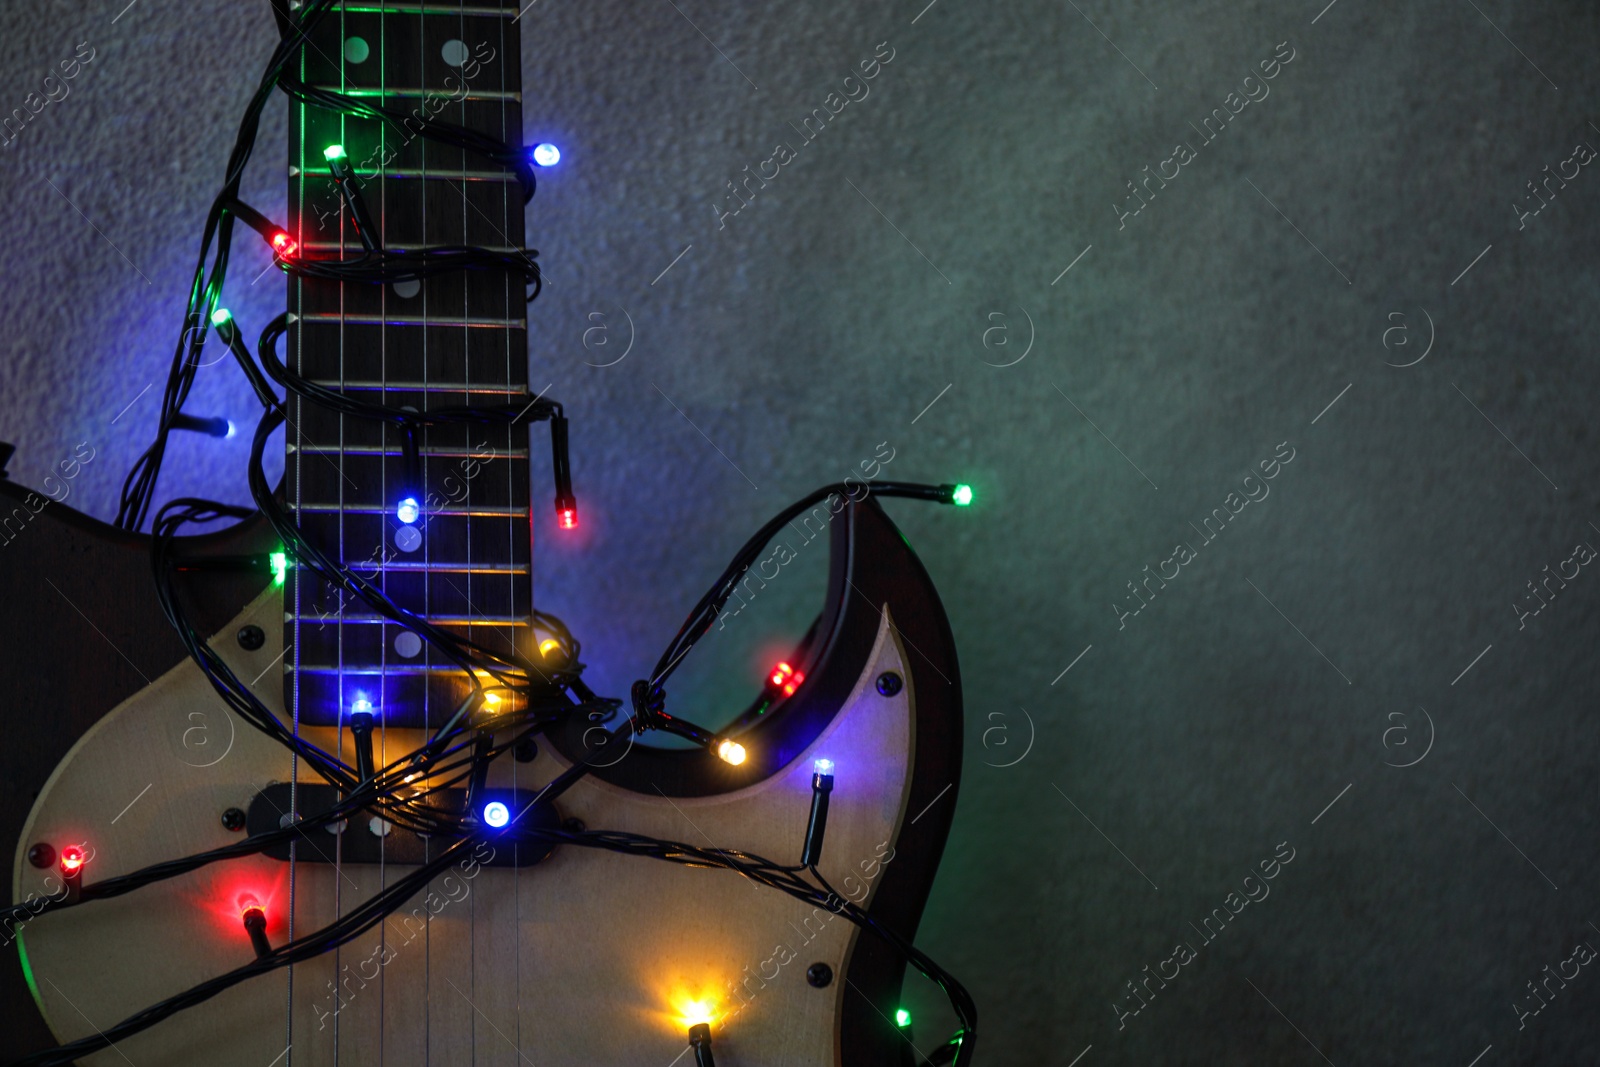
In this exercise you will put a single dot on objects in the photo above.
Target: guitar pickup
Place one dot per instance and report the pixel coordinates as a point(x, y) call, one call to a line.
point(367, 837)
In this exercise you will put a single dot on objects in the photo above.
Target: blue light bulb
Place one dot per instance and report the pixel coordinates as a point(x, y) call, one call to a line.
point(823, 766)
point(496, 814)
point(546, 154)
point(408, 510)
point(361, 704)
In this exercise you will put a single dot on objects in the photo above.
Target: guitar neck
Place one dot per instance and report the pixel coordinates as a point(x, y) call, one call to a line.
point(465, 560)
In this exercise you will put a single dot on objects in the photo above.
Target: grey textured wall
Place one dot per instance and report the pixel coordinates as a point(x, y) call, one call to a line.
point(1363, 612)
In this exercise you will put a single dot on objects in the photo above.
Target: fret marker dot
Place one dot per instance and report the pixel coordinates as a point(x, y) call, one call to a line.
point(356, 50)
point(407, 289)
point(408, 539)
point(407, 644)
point(454, 53)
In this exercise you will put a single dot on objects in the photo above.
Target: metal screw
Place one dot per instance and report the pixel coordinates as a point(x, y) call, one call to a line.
point(819, 974)
point(251, 637)
point(42, 855)
point(526, 751)
point(233, 819)
point(889, 683)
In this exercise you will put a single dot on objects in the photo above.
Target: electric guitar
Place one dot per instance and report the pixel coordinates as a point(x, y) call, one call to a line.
point(121, 755)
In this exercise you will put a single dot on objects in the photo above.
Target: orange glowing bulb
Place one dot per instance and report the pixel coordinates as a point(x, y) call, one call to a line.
point(696, 1012)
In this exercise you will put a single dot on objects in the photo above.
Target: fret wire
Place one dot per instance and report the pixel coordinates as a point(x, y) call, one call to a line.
point(437, 453)
point(332, 671)
point(394, 7)
point(414, 246)
point(499, 177)
point(473, 94)
point(417, 387)
point(479, 619)
point(357, 319)
point(342, 508)
point(437, 567)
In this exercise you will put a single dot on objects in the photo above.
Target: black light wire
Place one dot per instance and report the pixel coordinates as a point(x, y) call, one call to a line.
point(959, 1050)
point(234, 692)
point(705, 612)
point(341, 931)
point(459, 649)
point(139, 487)
point(481, 144)
point(391, 264)
point(465, 653)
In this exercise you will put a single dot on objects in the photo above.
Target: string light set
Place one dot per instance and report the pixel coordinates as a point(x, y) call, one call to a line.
point(496, 714)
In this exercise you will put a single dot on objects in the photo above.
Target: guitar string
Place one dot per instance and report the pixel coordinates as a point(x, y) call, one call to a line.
point(298, 286)
point(513, 469)
point(427, 587)
point(338, 854)
point(384, 434)
point(467, 521)
point(342, 531)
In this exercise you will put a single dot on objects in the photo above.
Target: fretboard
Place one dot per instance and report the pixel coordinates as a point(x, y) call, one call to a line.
point(458, 339)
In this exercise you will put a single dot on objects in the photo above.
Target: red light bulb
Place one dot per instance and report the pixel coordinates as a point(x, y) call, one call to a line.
point(255, 924)
point(785, 678)
point(72, 859)
point(567, 518)
point(284, 245)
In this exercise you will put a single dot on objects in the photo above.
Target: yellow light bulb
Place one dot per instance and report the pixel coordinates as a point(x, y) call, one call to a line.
point(491, 698)
point(548, 645)
point(695, 1012)
point(731, 752)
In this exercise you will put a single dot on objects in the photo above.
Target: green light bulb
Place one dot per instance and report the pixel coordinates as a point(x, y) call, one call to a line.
point(220, 316)
point(962, 495)
point(333, 152)
point(279, 562)
point(902, 1018)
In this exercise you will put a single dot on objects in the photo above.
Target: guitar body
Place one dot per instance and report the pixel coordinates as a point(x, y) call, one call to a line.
point(403, 462)
point(587, 957)
point(92, 636)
